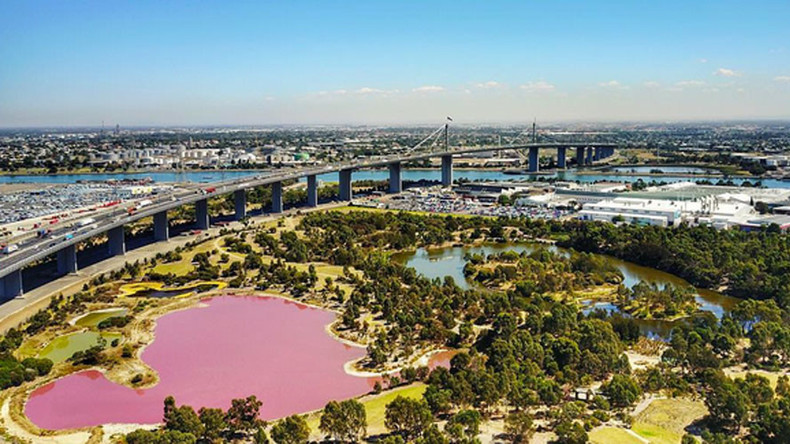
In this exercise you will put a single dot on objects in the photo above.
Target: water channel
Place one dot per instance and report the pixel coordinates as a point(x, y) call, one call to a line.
point(407, 175)
point(449, 261)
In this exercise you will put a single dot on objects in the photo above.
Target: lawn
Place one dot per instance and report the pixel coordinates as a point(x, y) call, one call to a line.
point(664, 420)
point(375, 406)
point(613, 435)
point(771, 376)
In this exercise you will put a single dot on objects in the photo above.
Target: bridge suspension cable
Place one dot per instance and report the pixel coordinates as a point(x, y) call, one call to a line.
point(433, 137)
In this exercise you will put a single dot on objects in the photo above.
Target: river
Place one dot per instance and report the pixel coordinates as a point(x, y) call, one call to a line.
point(449, 261)
point(409, 175)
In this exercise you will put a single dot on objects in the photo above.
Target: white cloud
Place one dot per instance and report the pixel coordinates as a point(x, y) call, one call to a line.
point(651, 84)
point(703, 60)
point(782, 79)
point(429, 88)
point(488, 85)
point(724, 72)
point(337, 92)
point(368, 90)
point(613, 84)
point(689, 83)
point(540, 85)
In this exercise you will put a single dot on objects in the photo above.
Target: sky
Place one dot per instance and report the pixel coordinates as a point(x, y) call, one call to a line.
point(81, 63)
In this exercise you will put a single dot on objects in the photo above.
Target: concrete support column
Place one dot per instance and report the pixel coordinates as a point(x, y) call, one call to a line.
point(345, 185)
point(116, 241)
point(312, 191)
point(396, 185)
point(589, 158)
point(561, 152)
point(534, 162)
point(161, 226)
point(11, 286)
point(277, 197)
point(579, 156)
point(447, 170)
point(201, 214)
point(240, 204)
point(67, 260)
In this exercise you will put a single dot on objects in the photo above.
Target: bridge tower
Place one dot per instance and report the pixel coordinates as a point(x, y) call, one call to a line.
point(240, 204)
point(534, 160)
point(561, 152)
point(161, 226)
point(312, 191)
point(447, 170)
point(116, 241)
point(395, 184)
point(201, 214)
point(67, 260)
point(345, 185)
point(11, 286)
point(579, 156)
point(277, 197)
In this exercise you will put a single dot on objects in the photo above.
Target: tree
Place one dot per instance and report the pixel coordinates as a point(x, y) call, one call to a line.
point(726, 403)
point(519, 426)
point(182, 419)
point(622, 390)
point(213, 421)
point(344, 421)
point(464, 425)
point(291, 430)
point(409, 417)
point(242, 416)
point(160, 437)
point(570, 433)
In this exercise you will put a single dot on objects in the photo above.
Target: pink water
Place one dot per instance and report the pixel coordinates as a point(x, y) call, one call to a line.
point(236, 347)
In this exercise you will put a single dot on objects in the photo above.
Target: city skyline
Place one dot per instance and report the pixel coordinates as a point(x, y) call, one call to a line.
point(146, 63)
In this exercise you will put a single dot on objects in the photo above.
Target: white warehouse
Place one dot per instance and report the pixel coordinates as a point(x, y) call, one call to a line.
point(708, 211)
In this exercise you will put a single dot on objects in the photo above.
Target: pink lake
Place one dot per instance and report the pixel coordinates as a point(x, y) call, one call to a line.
point(235, 347)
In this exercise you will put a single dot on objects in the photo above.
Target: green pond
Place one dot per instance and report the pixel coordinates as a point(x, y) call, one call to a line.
point(93, 318)
point(169, 293)
point(62, 347)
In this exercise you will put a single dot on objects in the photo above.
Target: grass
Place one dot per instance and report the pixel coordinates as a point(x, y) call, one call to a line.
point(771, 376)
point(612, 435)
point(375, 407)
point(664, 420)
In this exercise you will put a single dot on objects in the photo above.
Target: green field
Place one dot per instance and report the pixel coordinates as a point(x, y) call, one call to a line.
point(664, 420)
point(375, 406)
point(613, 435)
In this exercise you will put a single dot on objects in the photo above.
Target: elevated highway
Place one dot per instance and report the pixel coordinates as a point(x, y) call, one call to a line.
point(63, 241)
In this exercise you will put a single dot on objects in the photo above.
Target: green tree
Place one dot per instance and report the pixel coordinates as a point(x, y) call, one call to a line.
point(464, 425)
point(213, 421)
point(291, 430)
point(242, 416)
point(409, 417)
point(622, 390)
point(182, 419)
point(519, 425)
point(570, 433)
point(344, 421)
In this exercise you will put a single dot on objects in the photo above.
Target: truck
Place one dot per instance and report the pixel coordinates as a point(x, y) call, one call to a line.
point(44, 232)
point(85, 222)
point(10, 248)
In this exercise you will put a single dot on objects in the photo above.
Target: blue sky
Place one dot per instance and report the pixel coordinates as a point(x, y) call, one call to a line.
point(174, 62)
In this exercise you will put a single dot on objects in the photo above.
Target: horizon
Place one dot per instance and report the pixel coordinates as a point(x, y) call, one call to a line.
point(310, 63)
